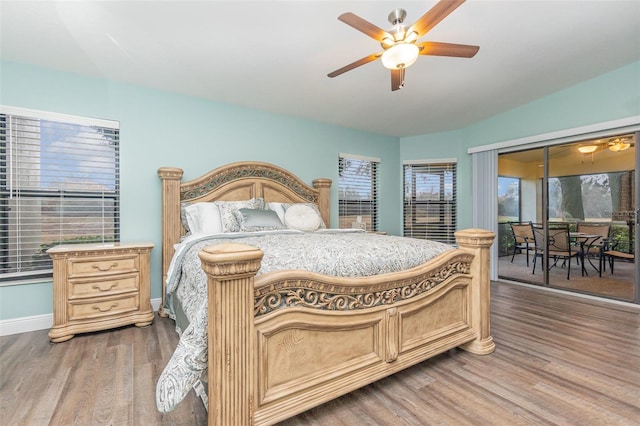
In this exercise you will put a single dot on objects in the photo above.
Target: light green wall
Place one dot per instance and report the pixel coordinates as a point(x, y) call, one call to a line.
point(611, 96)
point(164, 129)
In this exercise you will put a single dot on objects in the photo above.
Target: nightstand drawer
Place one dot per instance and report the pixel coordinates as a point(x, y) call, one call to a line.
point(102, 308)
point(79, 289)
point(96, 266)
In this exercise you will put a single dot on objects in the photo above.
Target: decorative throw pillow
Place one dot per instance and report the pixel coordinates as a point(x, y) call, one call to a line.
point(258, 220)
point(302, 217)
point(228, 211)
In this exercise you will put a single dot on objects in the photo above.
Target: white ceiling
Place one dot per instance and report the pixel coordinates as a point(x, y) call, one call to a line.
point(275, 55)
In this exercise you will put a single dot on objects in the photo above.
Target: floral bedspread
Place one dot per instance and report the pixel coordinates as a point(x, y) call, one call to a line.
point(346, 253)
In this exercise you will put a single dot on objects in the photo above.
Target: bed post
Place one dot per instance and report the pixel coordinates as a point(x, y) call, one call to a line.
point(478, 241)
point(231, 269)
point(323, 185)
point(171, 225)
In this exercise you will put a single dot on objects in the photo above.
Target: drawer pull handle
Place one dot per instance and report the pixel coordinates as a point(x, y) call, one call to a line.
point(103, 269)
point(97, 287)
point(113, 305)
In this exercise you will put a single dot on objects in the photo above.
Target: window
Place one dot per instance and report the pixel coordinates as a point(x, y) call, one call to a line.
point(59, 183)
point(358, 192)
point(508, 199)
point(430, 200)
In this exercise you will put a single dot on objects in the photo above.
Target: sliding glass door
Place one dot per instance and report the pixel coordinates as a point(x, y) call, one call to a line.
point(519, 200)
point(580, 201)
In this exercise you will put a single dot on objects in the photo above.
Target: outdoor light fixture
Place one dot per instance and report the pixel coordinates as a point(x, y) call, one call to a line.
point(587, 149)
point(619, 146)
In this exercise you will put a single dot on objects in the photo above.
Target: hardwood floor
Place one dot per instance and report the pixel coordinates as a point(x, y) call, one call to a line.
point(560, 360)
point(103, 378)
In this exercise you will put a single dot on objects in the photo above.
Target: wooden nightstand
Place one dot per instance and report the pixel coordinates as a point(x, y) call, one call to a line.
point(99, 286)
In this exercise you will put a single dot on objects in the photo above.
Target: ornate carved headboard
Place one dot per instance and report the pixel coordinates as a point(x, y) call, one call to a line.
point(232, 182)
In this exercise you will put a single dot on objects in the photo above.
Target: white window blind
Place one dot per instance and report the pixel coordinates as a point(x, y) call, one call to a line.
point(59, 183)
point(358, 192)
point(430, 200)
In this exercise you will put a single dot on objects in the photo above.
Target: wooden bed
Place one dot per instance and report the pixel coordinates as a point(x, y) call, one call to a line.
point(267, 364)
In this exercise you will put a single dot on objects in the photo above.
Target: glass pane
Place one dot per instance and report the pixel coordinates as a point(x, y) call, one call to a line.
point(519, 198)
point(58, 184)
point(427, 187)
point(591, 194)
point(36, 224)
point(52, 155)
point(429, 201)
point(508, 199)
point(357, 188)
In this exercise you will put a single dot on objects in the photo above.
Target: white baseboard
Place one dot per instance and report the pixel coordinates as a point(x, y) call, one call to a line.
point(25, 324)
point(40, 322)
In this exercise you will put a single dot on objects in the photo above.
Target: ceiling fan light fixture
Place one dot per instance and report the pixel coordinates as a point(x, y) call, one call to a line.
point(399, 43)
point(411, 37)
point(387, 42)
point(400, 55)
point(619, 146)
point(587, 149)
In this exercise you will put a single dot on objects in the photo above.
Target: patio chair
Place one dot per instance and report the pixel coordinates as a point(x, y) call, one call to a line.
point(523, 239)
point(559, 246)
point(610, 254)
point(595, 247)
point(538, 240)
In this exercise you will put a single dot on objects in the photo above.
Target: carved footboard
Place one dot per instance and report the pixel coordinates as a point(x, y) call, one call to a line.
point(284, 342)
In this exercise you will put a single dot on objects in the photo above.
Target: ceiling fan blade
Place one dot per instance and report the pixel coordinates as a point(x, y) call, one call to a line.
point(397, 79)
point(433, 16)
point(447, 49)
point(364, 26)
point(355, 64)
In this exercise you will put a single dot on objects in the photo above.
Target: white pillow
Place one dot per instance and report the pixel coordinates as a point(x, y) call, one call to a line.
point(210, 221)
point(203, 218)
point(302, 217)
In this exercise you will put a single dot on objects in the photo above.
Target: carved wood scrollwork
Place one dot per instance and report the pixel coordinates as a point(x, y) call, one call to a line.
point(242, 172)
point(325, 296)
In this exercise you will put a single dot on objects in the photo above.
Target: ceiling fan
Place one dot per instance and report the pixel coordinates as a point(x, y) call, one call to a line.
point(399, 44)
